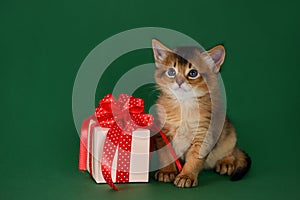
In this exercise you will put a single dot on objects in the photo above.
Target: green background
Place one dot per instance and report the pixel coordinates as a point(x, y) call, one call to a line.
point(43, 44)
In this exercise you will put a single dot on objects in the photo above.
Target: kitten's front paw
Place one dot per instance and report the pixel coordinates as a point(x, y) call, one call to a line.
point(186, 181)
point(164, 176)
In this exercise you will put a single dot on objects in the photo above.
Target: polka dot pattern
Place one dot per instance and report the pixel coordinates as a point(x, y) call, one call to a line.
point(124, 158)
point(109, 150)
point(122, 116)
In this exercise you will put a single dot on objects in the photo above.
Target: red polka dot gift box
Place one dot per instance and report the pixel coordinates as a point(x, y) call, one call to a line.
point(115, 142)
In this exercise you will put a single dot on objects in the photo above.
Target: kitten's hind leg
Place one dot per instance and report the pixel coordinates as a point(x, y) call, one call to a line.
point(225, 165)
point(235, 165)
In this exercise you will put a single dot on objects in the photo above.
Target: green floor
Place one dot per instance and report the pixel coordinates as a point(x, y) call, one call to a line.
point(43, 43)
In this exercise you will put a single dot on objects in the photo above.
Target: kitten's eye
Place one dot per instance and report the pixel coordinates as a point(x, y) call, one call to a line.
point(171, 72)
point(193, 73)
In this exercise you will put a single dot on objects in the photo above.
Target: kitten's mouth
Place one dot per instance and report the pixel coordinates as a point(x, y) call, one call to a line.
point(181, 93)
point(180, 89)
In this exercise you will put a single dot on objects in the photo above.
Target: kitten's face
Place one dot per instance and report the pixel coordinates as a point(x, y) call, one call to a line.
point(178, 77)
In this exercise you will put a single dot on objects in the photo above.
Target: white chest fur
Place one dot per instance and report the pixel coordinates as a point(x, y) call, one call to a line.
point(190, 117)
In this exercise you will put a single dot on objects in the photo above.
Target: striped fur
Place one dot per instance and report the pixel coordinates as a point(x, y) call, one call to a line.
point(185, 107)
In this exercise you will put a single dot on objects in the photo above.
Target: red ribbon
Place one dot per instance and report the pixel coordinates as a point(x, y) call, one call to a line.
point(164, 137)
point(122, 116)
point(83, 143)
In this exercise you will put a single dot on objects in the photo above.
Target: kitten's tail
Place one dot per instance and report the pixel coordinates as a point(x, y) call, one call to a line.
point(242, 164)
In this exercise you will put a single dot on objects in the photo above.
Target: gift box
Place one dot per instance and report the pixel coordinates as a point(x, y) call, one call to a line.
point(139, 155)
point(115, 142)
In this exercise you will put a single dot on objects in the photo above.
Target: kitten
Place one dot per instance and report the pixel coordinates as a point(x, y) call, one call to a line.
point(186, 113)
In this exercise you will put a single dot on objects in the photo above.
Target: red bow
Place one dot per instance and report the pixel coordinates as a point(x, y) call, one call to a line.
point(122, 116)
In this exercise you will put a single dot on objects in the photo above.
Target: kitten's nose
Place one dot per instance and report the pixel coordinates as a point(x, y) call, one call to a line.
point(179, 81)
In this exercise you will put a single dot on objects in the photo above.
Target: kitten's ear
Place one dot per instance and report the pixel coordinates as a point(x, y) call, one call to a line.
point(160, 51)
point(217, 53)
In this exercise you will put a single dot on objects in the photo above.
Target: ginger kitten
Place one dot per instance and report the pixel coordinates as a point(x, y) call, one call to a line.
point(187, 108)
